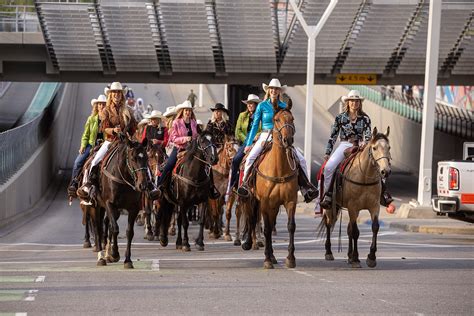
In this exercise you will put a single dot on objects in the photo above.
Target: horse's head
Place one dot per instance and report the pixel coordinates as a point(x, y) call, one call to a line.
point(230, 147)
point(208, 149)
point(380, 151)
point(284, 128)
point(137, 163)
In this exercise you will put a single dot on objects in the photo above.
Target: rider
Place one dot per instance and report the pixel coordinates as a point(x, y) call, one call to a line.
point(88, 140)
point(154, 131)
point(244, 123)
point(264, 114)
point(183, 131)
point(219, 126)
point(353, 127)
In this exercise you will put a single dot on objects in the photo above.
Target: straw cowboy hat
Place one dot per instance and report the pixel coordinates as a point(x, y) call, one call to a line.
point(155, 114)
point(274, 83)
point(252, 98)
point(169, 111)
point(144, 122)
point(185, 105)
point(352, 95)
point(101, 98)
point(221, 107)
point(115, 86)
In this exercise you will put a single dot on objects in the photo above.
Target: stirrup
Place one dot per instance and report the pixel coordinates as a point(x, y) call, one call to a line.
point(326, 202)
point(310, 195)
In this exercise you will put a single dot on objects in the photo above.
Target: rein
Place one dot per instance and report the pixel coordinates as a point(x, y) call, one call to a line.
point(132, 172)
point(371, 156)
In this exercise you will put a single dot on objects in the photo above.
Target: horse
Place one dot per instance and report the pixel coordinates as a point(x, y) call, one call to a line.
point(221, 179)
point(123, 179)
point(276, 184)
point(361, 189)
point(189, 186)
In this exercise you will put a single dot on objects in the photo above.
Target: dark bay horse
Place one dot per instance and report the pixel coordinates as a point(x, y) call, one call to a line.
point(123, 179)
point(189, 186)
point(276, 185)
point(361, 189)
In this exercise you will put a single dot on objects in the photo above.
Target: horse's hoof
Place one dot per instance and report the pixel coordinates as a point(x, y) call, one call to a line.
point(150, 237)
point(200, 247)
point(172, 231)
point(247, 246)
point(179, 247)
point(290, 264)
point(164, 242)
point(255, 247)
point(329, 257)
point(186, 248)
point(101, 262)
point(86, 244)
point(260, 243)
point(268, 265)
point(237, 242)
point(227, 237)
point(371, 263)
point(128, 265)
point(115, 258)
point(356, 265)
point(274, 260)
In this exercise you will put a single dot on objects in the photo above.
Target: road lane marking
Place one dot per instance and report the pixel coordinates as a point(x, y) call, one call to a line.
point(155, 265)
point(40, 279)
point(31, 295)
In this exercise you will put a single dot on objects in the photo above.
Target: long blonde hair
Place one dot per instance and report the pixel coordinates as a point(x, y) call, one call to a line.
point(123, 110)
point(224, 116)
point(275, 104)
point(95, 109)
point(346, 108)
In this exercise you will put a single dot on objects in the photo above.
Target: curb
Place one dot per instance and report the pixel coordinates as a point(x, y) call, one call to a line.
point(433, 229)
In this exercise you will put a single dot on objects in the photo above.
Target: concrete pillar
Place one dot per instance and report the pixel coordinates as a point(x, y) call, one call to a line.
point(200, 95)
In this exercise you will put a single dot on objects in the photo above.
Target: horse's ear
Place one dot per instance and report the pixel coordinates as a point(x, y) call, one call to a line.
point(290, 104)
point(375, 132)
point(388, 131)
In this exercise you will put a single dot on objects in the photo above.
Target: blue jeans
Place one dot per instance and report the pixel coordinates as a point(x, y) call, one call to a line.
point(239, 156)
point(170, 163)
point(80, 160)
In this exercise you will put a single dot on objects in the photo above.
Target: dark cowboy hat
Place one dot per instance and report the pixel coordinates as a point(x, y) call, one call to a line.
point(220, 106)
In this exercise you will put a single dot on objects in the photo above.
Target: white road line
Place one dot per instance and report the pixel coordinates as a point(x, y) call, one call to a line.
point(304, 273)
point(40, 279)
point(21, 314)
point(155, 265)
point(31, 295)
point(397, 199)
point(417, 245)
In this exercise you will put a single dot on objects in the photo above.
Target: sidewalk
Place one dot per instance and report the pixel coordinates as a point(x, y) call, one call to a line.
point(433, 225)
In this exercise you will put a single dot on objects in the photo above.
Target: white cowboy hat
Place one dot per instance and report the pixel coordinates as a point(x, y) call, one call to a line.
point(101, 98)
point(115, 86)
point(198, 122)
point(155, 114)
point(274, 83)
point(252, 98)
point(144, 121)
point(185, 105)
point(171, 110)
point(352, 95)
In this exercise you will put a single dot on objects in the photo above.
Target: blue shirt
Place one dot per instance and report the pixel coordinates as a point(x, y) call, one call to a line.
point(263, 114)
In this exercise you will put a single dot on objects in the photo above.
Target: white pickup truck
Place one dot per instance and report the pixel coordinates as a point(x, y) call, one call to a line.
point(456, 187)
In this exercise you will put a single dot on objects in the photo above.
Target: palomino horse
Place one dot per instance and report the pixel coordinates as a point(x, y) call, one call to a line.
point(361, 190)
point(190, 186)
point(122, 181)
point(221, 179)
point(277, 184)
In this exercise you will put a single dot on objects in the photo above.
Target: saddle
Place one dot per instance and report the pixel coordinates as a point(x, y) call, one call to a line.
point(267, 145)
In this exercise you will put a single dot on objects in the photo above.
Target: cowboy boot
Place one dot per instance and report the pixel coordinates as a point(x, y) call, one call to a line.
point(83, 191)
point(309, 191)
point(154, 193)
point(72, 188)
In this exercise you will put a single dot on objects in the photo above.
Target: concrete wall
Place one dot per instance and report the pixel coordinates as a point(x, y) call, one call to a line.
point(20, 195)
point(405, 135)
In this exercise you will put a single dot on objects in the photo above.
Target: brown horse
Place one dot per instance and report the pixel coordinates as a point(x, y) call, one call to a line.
point(221, 179)
point(123, 179)
point(276, 185)
point(361, 189)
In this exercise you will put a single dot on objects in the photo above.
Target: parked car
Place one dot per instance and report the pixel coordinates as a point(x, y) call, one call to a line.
point(456, 187)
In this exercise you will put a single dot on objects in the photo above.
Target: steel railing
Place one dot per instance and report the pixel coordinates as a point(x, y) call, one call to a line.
point(448, 118)
point(18, 18)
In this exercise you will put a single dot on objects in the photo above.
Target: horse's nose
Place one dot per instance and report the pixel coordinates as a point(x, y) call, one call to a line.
point(384, 173)
point(142, 186)
point(291, 140)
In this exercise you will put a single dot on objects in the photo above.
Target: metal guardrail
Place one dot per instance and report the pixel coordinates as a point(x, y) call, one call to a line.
point(18, 144)
point(18, 18)
point(449, 119)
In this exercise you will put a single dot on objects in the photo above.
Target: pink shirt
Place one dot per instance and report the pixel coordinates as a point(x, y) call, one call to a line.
point(179, 133)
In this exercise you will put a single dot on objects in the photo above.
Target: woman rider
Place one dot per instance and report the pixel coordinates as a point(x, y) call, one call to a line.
point(264, 114)
point(353, 127)
point(183, 131)
point(244, 123)
point(88, 140)
point(156, 134)
point(219, 126)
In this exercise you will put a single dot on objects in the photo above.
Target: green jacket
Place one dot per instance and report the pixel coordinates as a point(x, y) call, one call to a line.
point(91, 128)
point(241, 127)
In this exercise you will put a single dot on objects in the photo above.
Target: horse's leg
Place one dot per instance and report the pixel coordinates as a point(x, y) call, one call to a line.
point(371, 259)
point(200, 239)
point(291, 209)
point(259, 230)
point(228, 216)
point(163, 217)
point(148, 226)
point(87, 241)
point(105, 230)
point(179, 219)
point(267, 231)
point(185, 222)
point(172, 228)
point(132, 216)
point(350, 249)
point(328, 256)
point(113, 215)
point(355, 236)
point(238, 217)
point(97, 218)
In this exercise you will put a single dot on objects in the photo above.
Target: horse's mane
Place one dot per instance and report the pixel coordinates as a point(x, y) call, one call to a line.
point(190, 150)
point(379, 136)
